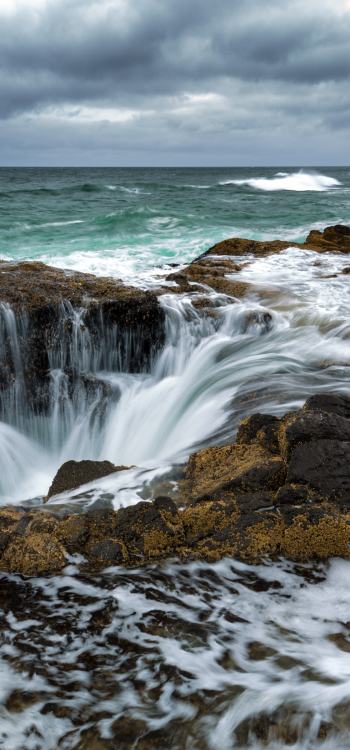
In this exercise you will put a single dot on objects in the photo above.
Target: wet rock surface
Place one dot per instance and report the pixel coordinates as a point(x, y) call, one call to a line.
point(282, 488)
point(53, 319)
point(175, 655)
point(334, 238)
point(73, 474)
point(213, 269)
point(50, 318)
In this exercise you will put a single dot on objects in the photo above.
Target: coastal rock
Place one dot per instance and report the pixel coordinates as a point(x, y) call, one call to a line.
point(73, 474)
point(214, 471)
point(262, 428)
point(209, 272)
point(332, 238)
point(33, 554)
point(311, 425)
point(280, 490)
point(329, 403)
point(214, 268)
point(107, 552)
point(324, 466)
point(50, 318)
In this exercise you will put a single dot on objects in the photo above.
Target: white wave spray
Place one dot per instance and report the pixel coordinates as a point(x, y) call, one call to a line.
point(288, 339)
point(294, 181)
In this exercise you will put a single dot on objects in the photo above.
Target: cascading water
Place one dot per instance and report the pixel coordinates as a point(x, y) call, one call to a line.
point(181, 655)
point(287, 339)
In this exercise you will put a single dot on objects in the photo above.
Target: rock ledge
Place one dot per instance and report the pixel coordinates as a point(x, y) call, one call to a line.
point(282, 489)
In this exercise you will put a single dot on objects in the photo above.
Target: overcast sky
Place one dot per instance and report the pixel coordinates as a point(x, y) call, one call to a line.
point(174, 82)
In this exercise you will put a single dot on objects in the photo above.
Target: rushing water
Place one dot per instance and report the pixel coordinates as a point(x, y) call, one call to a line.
point(196, 656)
point(127, 222)
point(192, 657)
point(286, 340)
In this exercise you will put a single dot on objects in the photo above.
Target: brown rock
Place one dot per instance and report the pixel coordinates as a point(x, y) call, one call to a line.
point(9, 520)
point(107, 552)
point(214, 471)
point(262, 428)
point(149, 530)
point(33, 554)
point(73, 474)
point(205, 272)
point(332, 238)
point(73, 532)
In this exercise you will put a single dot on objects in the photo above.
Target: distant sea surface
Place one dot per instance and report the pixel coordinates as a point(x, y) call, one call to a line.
point(128, 222)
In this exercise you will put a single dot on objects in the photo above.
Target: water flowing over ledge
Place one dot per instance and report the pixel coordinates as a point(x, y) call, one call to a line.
point(104, 371)
point(184, 654)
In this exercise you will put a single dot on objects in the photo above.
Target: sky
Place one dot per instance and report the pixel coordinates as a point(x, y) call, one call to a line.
point(174, 82)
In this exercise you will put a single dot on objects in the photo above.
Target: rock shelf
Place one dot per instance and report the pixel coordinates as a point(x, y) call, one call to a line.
point(282, 489)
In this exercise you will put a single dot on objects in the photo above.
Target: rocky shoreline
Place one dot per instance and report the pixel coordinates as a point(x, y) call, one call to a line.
point(283, 488)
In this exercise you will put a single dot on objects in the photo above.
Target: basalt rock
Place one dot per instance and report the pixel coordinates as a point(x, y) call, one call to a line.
point(73, 474)
point(324, 467)
point(332, 239)
point(301, 428)
point(214, 471)
point(329, 403)
point(55, 319)
point(284, 488)
point(212, 269)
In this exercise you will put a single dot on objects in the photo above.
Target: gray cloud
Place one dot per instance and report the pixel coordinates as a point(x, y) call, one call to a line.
point(172, 76)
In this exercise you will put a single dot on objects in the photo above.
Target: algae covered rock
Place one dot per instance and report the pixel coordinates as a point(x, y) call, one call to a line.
point(283, 489)
point(35, 553)
point(262, 428)
point(73, 474)
point(247, 467)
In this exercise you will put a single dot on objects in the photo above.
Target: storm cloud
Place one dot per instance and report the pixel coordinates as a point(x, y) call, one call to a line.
point(174, 82)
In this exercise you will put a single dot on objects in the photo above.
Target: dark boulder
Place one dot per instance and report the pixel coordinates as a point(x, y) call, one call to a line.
point(108, 551)
point(324, 466)
point(73, 474)
point(312, 425)
point(328, 402)
point(290, 494)
point(262, 428)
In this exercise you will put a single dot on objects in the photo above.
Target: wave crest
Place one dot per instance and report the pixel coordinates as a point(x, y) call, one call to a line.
point(295, 181)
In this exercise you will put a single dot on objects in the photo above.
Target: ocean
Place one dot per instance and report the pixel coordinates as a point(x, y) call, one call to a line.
point(128, 222)
point(190, 656)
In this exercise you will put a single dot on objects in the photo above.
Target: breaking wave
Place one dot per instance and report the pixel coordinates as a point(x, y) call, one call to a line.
point(295, 181)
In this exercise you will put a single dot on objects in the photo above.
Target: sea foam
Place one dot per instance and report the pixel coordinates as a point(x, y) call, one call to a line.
point(295, 181)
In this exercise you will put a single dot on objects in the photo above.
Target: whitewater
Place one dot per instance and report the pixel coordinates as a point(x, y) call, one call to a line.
point(194, 656)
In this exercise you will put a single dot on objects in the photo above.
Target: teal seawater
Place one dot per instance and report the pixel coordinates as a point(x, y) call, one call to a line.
point(127, 222)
